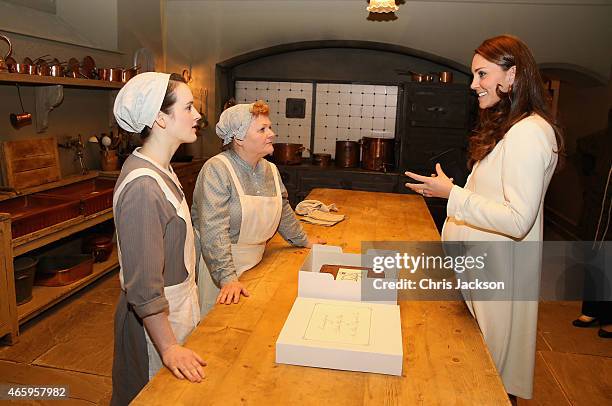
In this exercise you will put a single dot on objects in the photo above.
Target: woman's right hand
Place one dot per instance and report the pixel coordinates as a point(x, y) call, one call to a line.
point(184, 363)
point(231, 292)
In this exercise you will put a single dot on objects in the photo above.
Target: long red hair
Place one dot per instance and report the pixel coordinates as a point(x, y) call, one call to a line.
point(526, 96)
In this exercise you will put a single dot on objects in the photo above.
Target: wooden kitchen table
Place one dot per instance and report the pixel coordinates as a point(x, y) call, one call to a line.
point(445, 358)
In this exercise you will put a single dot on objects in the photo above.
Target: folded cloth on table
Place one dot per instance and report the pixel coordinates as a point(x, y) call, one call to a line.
point(316, 212)
point(306, 206)
point(321, 215)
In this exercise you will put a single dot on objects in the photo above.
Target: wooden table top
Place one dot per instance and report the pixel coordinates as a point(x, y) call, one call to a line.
point(445, 357)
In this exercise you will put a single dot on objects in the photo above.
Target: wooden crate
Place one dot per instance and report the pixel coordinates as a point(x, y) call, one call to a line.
point(30, 162)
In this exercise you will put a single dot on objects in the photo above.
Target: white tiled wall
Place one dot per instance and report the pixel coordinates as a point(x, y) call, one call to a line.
point(295, 130)
point(343, 111)
point(349, 112)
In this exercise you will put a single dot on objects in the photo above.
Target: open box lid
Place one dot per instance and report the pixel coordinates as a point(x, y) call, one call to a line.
point(315, 284)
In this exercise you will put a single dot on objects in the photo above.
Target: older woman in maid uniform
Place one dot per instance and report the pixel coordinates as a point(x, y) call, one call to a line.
point(239, 203)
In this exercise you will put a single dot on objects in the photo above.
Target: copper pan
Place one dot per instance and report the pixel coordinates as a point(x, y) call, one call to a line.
point(378, 153)
point(322, 160)
point(111, 74)
point(421, 77)
point(25, 68)
point(129, 73)
point(347, 154)
point(287, 153)
point(445, 77)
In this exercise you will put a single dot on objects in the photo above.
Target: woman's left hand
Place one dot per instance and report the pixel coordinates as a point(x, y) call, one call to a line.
point(438, 185)
point(315, 240)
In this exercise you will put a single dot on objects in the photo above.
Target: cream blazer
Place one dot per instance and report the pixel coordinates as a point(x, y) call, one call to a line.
point(503, 200)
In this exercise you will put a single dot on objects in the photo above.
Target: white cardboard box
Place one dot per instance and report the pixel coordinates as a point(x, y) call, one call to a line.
point(330, 327)
point(312, 283)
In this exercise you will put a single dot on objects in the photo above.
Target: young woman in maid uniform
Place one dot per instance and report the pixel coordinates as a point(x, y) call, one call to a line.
point(158, 305)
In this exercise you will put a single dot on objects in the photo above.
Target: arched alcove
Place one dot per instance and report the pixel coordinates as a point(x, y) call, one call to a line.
point(331, 60)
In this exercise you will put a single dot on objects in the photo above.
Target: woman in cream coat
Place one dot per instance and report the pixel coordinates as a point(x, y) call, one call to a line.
point(513, 157)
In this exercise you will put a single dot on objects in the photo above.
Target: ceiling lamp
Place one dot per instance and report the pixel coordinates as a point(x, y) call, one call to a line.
point(382, 6)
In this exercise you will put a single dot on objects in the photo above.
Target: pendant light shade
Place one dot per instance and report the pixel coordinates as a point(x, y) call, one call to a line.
point(382, 6)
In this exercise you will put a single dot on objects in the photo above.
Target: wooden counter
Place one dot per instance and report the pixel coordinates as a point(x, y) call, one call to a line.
point(445, 358)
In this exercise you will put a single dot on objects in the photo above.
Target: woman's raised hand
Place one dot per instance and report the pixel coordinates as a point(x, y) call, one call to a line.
point(436, 185)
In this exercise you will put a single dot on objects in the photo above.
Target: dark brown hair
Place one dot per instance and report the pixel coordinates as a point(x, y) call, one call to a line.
point(169, 100)
point(525, 96)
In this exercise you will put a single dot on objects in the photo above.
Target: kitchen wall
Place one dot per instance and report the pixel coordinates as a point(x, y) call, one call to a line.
point(567, 33)
point(342, 111)
point(83, 111)
point(197, 35)
point(131, 24)
point(203, 33)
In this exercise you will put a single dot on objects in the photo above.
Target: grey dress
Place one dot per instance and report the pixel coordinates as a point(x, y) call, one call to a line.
point(152, 243)
point(216, 211)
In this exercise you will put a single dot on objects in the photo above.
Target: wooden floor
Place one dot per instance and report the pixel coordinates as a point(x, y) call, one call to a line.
point(72, 344)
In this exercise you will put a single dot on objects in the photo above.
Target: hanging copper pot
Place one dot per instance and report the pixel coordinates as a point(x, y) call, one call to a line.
point(19, 120)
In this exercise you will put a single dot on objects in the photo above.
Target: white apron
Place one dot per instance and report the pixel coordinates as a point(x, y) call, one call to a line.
point(182, 298)
point(260, 219)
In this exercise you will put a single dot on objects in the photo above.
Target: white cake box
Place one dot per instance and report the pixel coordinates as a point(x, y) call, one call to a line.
point(312, 283)
point(330, 327)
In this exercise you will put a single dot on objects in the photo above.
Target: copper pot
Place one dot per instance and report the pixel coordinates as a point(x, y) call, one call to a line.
point(99, 246)
point(421, 77)
point(445, 77)
point(111, 74)
point(287, 153)
point(25, 68)
point(378, 153)
point(323, 160)
point(61, 270)
point(347, 154)
point(21, 119)
point(129, 73)
point(55, 70)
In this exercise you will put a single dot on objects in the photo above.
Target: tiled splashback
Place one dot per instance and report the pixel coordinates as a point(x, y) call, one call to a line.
point(295, 130)
point(342, 111)
point(350, 112)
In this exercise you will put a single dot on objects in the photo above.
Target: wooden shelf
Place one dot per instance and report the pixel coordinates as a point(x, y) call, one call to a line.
point(44, 297)
point(56, 232)
point(50, 80)
point(68, 180)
